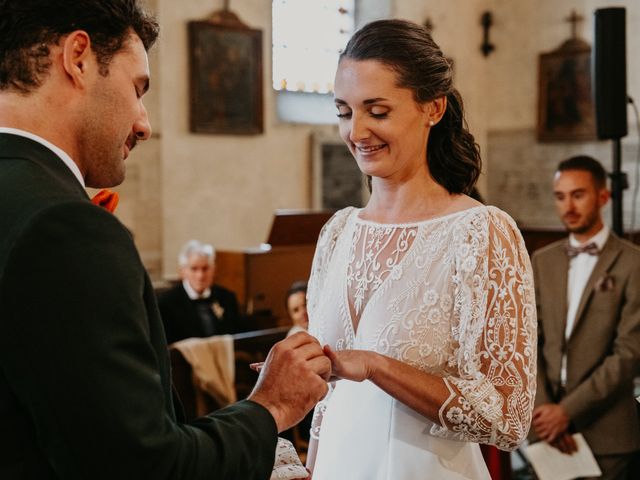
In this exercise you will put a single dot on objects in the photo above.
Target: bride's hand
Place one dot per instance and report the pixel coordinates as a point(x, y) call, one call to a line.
point(355, 365)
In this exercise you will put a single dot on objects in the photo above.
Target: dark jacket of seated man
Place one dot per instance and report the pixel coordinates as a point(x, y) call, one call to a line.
point(184, 315)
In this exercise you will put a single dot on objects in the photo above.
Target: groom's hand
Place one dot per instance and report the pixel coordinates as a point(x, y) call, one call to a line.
point(293, 379)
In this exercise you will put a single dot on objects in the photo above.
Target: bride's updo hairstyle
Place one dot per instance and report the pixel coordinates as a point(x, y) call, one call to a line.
point(453, 156)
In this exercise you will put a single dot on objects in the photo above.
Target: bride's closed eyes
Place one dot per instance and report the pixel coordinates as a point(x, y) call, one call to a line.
point(376, 111)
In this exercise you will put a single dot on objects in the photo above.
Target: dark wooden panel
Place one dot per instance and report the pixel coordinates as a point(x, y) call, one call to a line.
point(261, 278)
point(293, 227)
point(535, 238)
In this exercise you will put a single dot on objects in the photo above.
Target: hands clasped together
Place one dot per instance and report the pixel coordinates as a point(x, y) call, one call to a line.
point(295, 374)
point(551, 424)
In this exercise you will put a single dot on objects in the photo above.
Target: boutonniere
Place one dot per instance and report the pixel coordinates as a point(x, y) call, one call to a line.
point(604, 283)
point(106, 199)
point(217, 309)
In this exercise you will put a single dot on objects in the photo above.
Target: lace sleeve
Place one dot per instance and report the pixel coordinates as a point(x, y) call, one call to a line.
point(324, 248)
point(493, 389)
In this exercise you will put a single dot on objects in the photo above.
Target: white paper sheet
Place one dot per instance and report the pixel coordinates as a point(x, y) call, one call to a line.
point(551, 464)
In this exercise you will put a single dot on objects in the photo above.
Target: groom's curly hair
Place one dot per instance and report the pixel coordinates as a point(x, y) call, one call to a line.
point(29, 27)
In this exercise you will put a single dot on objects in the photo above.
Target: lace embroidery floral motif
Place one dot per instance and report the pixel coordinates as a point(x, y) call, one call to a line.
point(453, 297)
point(376, 253)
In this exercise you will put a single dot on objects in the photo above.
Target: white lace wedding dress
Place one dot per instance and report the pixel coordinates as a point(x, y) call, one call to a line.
point(451, 296)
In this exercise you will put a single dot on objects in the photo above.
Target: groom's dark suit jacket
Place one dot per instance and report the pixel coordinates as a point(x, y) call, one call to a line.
point(85, 389)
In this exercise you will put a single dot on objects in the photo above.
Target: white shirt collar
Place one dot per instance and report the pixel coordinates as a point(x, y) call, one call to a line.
point(599, 238)
point(193, 295)
point(58, 151)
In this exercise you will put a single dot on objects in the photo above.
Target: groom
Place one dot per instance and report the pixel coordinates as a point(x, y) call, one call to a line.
point(85, 388)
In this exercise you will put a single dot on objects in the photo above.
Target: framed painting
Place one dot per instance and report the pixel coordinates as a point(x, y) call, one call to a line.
point(337, 182)
point(565, 104)
point(225, 67)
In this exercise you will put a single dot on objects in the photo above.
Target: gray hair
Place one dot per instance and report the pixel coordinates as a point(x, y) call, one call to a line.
point(196, 247)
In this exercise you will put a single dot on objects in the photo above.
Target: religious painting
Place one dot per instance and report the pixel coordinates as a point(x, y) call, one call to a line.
point(337, 180)
point(565, 104)
point(225, 79)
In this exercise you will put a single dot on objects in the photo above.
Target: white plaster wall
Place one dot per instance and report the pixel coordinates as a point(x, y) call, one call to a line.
point(500, 91)
point(221, 188)
point(224, 189)
point(524, 30)
point(140, 206)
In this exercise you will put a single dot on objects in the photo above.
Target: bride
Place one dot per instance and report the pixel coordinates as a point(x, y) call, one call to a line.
point(424, 298)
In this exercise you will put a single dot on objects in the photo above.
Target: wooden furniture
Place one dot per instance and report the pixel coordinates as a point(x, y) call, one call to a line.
point(260, 277)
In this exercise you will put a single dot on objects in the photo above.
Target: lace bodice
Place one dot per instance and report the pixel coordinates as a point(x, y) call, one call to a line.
point(452, 296)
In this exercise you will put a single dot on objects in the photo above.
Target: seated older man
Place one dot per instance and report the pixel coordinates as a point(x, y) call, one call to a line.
point(196, 307)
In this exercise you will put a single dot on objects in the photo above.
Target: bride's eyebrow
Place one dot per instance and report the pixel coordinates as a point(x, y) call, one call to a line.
point(368, 101)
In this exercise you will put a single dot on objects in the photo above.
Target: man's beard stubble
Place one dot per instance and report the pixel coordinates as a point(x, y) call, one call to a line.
point(589, 222)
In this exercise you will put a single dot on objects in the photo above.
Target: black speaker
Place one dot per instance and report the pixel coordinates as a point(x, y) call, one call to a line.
point(609, 67)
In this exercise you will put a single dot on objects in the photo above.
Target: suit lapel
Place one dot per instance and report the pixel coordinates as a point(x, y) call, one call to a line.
point(607, 257)
point(559, 278)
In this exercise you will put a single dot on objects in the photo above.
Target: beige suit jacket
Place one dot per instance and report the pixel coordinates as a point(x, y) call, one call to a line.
point(603, 351)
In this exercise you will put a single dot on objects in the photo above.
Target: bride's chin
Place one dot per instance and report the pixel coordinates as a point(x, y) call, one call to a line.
point(368, 166)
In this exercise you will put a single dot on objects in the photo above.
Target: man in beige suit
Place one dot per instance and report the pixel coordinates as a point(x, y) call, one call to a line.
point(588, 298)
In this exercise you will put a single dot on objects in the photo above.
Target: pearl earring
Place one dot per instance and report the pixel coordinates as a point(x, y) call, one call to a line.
point(431, 123)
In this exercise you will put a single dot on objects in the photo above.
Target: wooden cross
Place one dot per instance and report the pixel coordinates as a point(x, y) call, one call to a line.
point(574, 19)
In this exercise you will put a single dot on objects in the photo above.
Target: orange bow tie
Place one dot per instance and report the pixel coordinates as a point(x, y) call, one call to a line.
point(107, 199)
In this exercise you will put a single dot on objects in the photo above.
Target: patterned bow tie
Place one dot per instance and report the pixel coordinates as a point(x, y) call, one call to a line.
point(590, 248)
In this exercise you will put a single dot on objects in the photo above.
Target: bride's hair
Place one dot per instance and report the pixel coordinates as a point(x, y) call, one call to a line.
point(453, 156)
